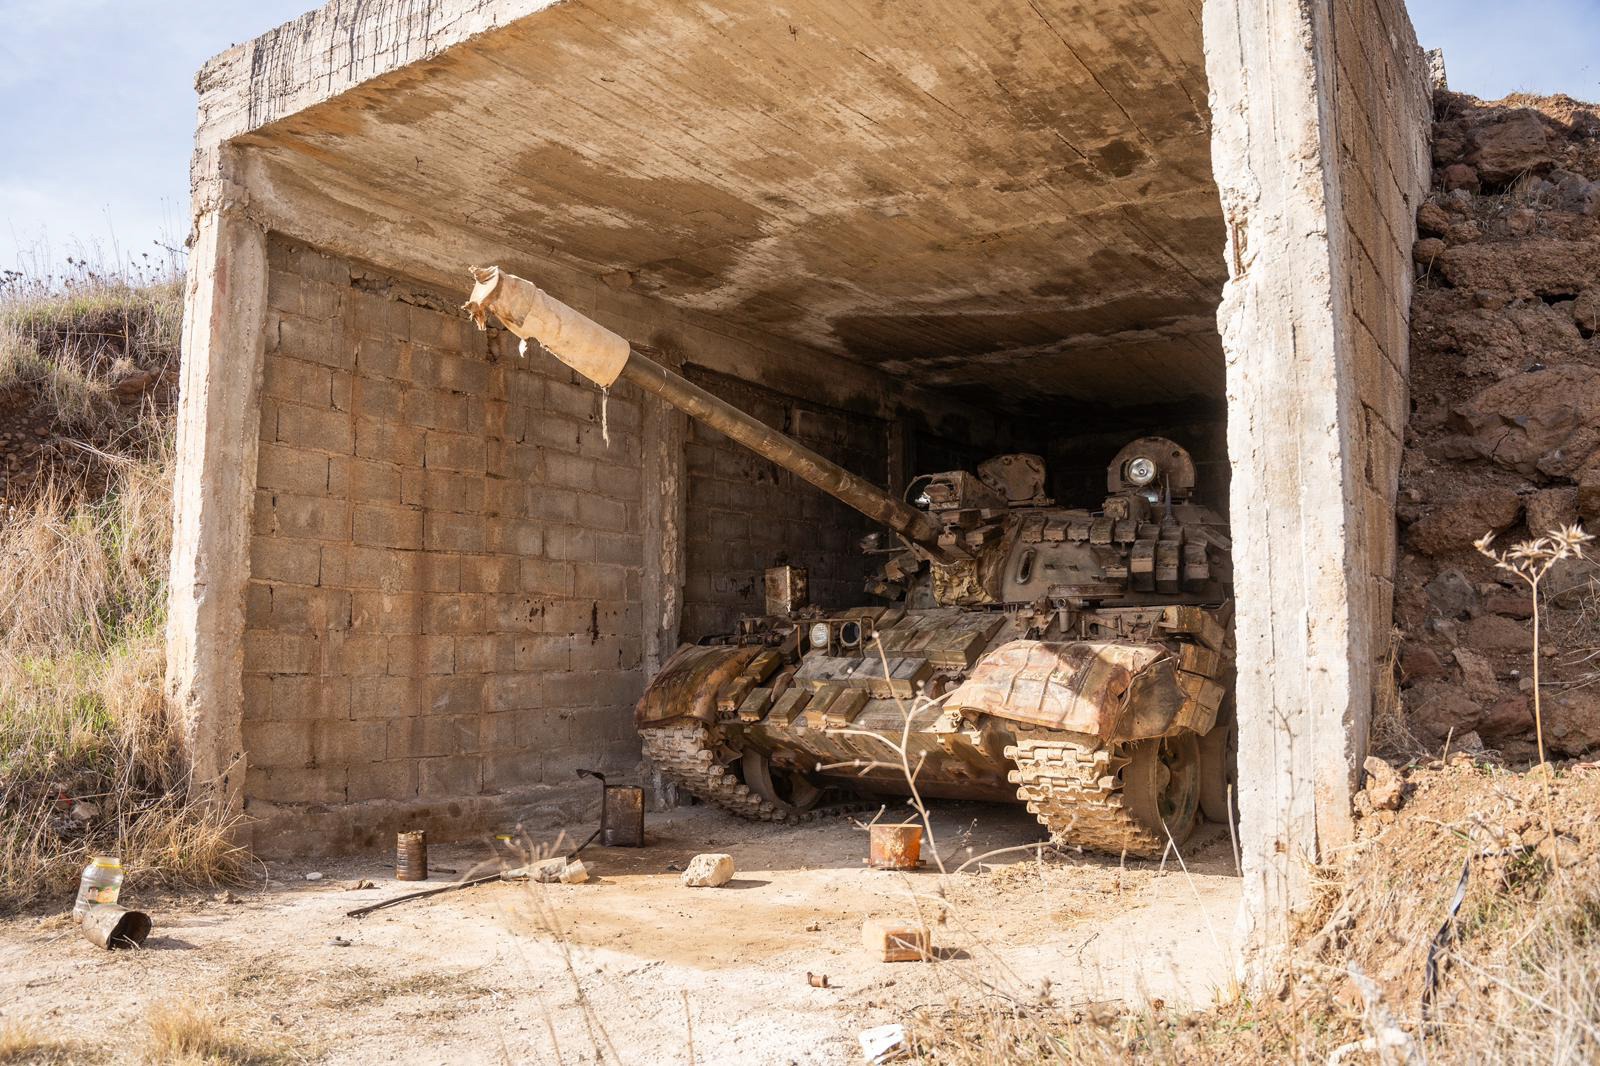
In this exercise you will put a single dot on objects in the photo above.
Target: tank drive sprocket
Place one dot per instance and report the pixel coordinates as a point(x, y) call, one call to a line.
point(1107, 800)
point(688, 754)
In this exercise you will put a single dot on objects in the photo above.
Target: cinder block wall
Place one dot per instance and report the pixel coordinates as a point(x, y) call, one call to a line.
point(1381, 105)
point(444, 596)
point(746, 513)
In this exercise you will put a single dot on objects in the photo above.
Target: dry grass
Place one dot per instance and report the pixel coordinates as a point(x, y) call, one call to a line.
point(1519, 981)
point(25, 1044)
point(88, 759)
point(191, 1034)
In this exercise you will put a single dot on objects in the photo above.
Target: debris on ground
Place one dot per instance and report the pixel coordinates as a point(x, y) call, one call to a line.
point(1385, 788)
point(711, 870)
point(884, 1043)
point(110, 926)
point(357, 886)
point(817, 980)
point(893, 940)
point(313, 876)
point(559, 869)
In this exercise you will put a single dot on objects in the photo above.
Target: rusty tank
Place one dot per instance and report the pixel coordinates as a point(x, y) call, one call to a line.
point(1076, 658)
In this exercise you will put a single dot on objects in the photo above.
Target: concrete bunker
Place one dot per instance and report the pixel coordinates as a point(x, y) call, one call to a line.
point(418, 572)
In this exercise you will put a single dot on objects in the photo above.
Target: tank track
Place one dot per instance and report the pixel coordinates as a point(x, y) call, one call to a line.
point(684, 753)
point(1075, 793)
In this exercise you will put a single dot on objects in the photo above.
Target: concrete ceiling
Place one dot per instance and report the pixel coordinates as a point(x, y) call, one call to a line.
point(1012, 198)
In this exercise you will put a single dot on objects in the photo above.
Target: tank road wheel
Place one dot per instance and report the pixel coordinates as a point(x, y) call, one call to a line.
point(1161, 785)
point(1219, 773)
point(787, 790)
point(691, 755)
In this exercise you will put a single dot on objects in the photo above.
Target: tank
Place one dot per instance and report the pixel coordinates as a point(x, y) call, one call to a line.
point(1078, 659)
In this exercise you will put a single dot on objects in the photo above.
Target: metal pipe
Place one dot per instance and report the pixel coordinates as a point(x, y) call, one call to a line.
point(799, 460)
point(604, 358)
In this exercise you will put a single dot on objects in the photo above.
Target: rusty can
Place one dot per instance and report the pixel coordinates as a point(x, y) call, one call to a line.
point(411, 856)
point(895, 847)
point(622, 817)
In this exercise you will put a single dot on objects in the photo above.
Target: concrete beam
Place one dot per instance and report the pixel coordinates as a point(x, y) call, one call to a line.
point(1307, 628)
point(218, 419)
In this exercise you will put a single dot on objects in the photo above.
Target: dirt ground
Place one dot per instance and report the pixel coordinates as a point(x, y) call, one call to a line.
point(633, 967)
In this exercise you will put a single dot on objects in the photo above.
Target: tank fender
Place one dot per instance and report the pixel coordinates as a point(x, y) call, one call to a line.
point(690, 681)
point(1118, 691)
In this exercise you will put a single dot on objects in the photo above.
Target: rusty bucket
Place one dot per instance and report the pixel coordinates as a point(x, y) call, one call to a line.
point(411, 856)
point(895, 847)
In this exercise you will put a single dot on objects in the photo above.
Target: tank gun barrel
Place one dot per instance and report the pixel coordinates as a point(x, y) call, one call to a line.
point(604, 358)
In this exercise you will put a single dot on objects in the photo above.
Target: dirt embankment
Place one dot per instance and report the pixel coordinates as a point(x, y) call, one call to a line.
point(1505, 426)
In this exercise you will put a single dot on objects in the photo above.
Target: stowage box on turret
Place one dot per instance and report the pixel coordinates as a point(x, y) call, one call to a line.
point(1078, 659)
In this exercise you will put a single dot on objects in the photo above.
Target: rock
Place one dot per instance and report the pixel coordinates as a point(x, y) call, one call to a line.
point(1510, 604)
point(1432, 220)
point(1451, 594)
point(1560, 850)
point(1385, 787)
point(1496, 633)
point(1477, 675)
point(1524, 268)
point(1551, 509)
point(1508, 717)
point(1453, 525)
point(1585, 310)
point(1463, 233)
point(314, 876)
point(1575, 193)
point(84, 811)
point(1418, 662)
point(1589, 491)
point(1459, 177)
point(708, 871)
point(1508, 147)
point(1438, 708)
point(1542, 423)
point(1572, 581)
point(135, 384)
point(1572, 721)
point(1427, 250)
point(1521, 221)
point(1532, 189)
point(1469, 741)
point(1459, 200)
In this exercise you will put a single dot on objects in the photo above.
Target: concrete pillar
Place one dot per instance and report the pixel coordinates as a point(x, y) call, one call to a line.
point(218, 428)
point(1290, 441)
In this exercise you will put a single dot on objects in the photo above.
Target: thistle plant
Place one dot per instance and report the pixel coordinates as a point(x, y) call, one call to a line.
point(1531, 560)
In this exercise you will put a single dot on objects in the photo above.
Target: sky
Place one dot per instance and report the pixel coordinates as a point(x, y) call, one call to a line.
point(97, 105)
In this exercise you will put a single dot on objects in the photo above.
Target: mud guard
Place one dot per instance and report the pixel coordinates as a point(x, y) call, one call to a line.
point(688, 685)
point(1114, 690)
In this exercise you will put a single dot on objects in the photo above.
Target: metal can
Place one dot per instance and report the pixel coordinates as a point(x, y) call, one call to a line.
point(411, 856)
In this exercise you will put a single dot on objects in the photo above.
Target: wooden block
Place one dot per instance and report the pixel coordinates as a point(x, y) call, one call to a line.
point(1195, 620)
point(841, 711)
point(756, 705)
point(892, 940)
point(1198, 660)
point(790, 704)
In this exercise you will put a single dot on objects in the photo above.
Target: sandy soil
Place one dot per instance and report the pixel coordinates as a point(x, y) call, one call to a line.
point(633, 967)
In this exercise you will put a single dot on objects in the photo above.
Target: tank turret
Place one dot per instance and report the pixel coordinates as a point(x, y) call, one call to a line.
point(1077, 658)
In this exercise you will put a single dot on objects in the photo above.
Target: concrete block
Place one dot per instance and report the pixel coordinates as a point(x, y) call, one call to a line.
point(278, 743)
point(318, 428)
point(280, 559)
point(711, 870)
point(391, 780)
point(454, 451)
point(459, 775)
point(380, 612)
point(446, 532)
point(385, 696)
point(388, 526)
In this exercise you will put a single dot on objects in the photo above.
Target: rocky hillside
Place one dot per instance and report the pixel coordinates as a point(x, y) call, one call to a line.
point(1505, 427)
